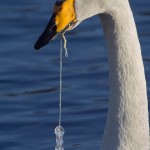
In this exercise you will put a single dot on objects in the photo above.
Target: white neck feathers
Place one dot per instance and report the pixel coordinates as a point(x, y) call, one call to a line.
point(127, 123)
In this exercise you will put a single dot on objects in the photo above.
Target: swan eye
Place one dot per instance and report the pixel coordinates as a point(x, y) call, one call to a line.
point(65, 14)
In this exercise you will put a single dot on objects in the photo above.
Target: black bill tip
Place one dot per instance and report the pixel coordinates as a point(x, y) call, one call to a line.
point(48, 34)
point(45, 38)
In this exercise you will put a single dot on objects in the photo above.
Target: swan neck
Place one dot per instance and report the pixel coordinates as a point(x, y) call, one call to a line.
point(127, 125)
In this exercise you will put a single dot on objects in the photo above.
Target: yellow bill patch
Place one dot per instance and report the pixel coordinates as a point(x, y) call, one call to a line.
point(65, 14)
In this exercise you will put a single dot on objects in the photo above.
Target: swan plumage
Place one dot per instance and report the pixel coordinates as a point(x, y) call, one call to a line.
point(127, 126)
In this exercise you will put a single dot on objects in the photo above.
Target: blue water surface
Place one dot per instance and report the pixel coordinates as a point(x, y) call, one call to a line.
point(29, 80)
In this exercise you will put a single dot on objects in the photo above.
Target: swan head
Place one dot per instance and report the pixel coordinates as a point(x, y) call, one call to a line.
point(67, 14)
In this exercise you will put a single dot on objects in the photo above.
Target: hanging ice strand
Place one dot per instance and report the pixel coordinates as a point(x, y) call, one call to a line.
point(59, 130)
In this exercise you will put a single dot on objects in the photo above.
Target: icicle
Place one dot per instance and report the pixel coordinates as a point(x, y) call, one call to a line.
point(65, 44)
point(59, 130)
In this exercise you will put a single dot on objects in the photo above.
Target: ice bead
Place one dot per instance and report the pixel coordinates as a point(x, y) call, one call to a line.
point(59, 140)
point(59, 147)
point(59, 131)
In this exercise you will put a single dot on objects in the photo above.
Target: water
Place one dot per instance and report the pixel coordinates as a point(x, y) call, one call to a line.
point(29, 80)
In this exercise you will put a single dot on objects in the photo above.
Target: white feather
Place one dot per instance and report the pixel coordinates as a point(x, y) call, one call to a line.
point(127, 125)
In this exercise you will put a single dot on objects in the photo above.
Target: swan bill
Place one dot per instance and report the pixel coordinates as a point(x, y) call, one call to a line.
point(63, 18)
point(48, 34)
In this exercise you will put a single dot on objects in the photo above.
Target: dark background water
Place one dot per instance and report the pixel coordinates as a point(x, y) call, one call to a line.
point(29, 80)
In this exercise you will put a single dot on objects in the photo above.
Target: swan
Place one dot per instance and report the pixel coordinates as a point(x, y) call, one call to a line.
point(127, 126)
